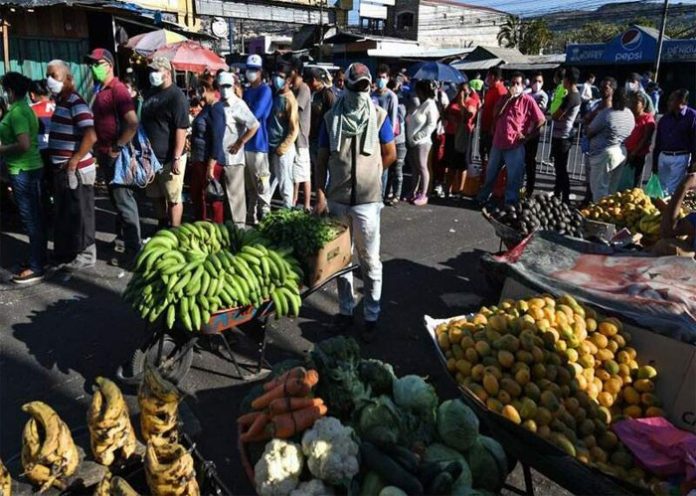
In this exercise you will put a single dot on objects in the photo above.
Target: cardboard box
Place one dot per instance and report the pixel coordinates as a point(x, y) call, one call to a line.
point(334, 256)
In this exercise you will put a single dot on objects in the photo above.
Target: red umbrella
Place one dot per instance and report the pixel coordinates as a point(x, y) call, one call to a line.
point(190, 56)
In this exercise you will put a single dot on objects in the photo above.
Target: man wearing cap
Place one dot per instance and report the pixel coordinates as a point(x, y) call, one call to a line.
point(302, 167)
point(356, 143)
point(234, 125)
point(115, 123)
point(283, 128)
point(259, 98)
point(165, 120)
point(323, 97)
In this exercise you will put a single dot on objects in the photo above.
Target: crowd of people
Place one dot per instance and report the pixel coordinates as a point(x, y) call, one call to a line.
point(289, 128)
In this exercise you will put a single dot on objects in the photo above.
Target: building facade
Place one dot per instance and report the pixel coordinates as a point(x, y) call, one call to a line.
point(444, 23)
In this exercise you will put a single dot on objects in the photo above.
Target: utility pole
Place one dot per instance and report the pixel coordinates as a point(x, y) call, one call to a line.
point(661, 39)
point(321, 30)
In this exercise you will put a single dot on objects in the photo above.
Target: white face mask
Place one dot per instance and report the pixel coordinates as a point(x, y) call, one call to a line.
point(226, 92)
point(252, 76)
point(515, 90)
point(156, 79)
point(631, 87)
point(54, 86)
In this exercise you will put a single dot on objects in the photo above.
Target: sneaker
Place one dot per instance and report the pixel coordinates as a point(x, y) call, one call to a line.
point(27, 276)
point(343, 323)
point(77, 265)
point(420, 200)
point(369, 332)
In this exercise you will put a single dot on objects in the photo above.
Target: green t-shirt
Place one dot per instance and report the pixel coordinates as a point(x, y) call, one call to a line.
point(476, 84)
point(20, 119)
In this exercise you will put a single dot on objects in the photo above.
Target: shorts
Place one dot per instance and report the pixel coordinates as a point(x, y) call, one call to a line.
point(167, 185)
point(453, 158)
point(302, 166)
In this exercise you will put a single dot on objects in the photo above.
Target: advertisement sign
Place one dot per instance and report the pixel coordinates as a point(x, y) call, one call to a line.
point(373, 11)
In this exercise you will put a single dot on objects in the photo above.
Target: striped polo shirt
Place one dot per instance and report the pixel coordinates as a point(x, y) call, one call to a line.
point(70, 118)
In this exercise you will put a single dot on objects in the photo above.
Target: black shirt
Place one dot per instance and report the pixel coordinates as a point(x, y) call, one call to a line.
point(322, 101)
point(164, 111)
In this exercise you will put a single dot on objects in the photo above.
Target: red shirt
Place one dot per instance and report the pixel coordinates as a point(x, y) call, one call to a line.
point(645, 126)
point(490, 100)
point(517, 117)
point(110, 106)
point(454, 113)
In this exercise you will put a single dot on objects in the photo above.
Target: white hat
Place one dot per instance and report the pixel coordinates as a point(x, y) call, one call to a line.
point(254, 62)
point(226, 79)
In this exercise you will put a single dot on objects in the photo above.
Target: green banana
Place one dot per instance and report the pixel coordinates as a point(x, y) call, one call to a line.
point(195, 316)
point(279, 303)
point(181, 284)
point(171, 315)
point(205, 282)
point(254, 252)
point(195, 279)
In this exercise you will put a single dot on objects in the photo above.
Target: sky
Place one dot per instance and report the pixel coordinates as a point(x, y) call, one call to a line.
point(526, 8)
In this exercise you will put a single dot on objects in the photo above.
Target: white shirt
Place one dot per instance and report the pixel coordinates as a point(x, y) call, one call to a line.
point(238, 119)
point(421, 123)
point(586, 93)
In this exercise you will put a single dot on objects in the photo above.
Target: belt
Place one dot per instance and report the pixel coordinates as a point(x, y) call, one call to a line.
point(675, 154)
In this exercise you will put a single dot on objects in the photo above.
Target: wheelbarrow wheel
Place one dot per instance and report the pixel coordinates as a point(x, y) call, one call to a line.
point(174, 363)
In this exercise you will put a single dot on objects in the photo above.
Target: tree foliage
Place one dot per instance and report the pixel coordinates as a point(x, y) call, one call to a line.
point(530, 37)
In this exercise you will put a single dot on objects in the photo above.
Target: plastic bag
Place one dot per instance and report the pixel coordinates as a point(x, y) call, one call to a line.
point(214, 191)
point(654, 189)
point(626, 179)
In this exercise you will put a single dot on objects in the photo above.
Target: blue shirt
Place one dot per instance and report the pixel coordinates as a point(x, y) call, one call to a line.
point(260, 102)
point(201, 136)
point(386, 134)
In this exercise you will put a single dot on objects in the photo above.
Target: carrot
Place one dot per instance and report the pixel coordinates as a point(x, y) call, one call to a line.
point(296, 388)
point(312, 377)
point(288, 404)
point(248, 418)
point(295, 373)
point(291, 423)
point(257, 427)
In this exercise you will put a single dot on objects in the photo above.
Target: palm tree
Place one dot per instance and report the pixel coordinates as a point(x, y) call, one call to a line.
point(536, 36)
point(510, 33)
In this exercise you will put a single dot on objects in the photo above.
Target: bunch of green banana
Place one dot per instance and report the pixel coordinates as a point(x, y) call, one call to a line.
point(650, 223)
point(113, 486)
point(48, 454)
point(169, 470)
point(109, 424)
point(159, 403)
point(185, 280)
point(5, 481)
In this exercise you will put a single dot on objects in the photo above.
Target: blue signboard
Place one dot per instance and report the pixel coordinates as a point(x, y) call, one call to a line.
point(634, 46)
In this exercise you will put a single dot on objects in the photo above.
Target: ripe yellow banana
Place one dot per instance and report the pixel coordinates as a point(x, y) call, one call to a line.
point(113, 399)
point(50, 422)
point(160, 387)
point(31, 443)
point(5, 481)
point(169, 469)
point(104, 486)
point(109, 424)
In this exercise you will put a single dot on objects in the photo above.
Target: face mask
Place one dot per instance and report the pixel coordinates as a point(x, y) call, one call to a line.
point(381, 83)
point(515, 90)
point(54, 85)
point(631, 87)
point(226, 92)
point(156, 79)
point(252, 76)
point(279, 82)
point(537, 87)
point(99, 72)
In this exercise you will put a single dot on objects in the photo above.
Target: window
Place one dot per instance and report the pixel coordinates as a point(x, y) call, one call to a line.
point(404, 21)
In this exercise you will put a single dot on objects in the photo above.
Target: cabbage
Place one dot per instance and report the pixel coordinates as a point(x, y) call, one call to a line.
point(437, 452)
point(413, 393)
point(457, 424)
point(488, 464)
point(392, 491)
point(378, 375)
point(379, 421)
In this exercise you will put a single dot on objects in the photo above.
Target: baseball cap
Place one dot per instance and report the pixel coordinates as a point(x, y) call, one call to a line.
point(160, 63)
point(357, 72)
point(254, 62)
point(226, 79)
point(100, 54)
point(318, 73)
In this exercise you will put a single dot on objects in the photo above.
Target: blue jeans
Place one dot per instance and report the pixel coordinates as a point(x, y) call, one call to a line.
point(514, 161)
point(364, 223)
point(27, 187)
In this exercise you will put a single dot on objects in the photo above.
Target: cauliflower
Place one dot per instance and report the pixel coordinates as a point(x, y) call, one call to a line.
point(278, 471)
point(315, 487)
point(331, 451)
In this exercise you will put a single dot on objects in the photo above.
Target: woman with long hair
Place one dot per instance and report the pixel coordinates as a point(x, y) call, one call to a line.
point(420, 125)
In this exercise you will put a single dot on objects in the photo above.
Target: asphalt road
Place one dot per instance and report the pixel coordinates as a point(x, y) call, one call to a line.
point(56, 337)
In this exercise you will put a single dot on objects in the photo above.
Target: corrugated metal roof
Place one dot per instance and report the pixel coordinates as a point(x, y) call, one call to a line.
point(30, 4)
point(477, 65)
point(412, 52)
point(506, 54)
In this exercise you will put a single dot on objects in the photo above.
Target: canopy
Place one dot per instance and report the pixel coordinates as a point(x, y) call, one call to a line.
point(436, 71)
point(147, 43)
point(192, 57)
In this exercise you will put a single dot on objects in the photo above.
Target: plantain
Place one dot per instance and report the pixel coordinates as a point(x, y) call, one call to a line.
point(169, 470)
point(5, 481)
point(104, 486)
point(113, 399)
point(109, 424)
point(50, 422)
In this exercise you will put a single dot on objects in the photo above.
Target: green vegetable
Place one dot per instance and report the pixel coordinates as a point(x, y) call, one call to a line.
point(414, 394)
point(488, 464)
point(389, 469)
point(392, 491)
point(437, 452)
point(372, 484)
point(306, 234)
point(379, 421)
point(378, 375)
point(442, 484)
point(457, 424)
point(404, 456)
